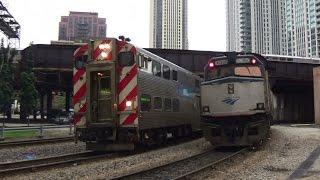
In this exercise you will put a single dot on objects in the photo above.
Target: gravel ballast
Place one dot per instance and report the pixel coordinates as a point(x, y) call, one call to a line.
point(113, 167)
point(19, 153)
point(278, 158)
point(282, 154)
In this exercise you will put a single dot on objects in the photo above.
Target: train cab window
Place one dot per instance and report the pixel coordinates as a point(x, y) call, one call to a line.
point(249, 71)
point(126, 59)
point(220, 72)
point(166, 72)
point(167, 104)
point(174, 75)
point(145, 102)
point(175, 105)
point(156, 68)
point(80, 62)
point(157, 103)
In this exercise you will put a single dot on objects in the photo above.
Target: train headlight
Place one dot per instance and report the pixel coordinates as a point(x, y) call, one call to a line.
point(260, 106)
point(129, 104)
point(205, 109)
point(104, 54)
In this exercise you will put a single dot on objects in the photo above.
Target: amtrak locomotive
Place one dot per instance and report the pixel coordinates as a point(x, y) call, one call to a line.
point(236, 100)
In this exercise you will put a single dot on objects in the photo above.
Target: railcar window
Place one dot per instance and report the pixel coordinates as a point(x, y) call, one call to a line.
point(157, 101)
point(145, 102)
point(175, 105)
point(167, 104)
point(250, 71)
point(174, 75)
point(166, 72)
point(143, 62)
point(197, 83)
point(156, 68)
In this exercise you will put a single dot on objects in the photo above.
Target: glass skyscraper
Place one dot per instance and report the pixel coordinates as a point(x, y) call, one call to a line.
point(169, 24)
point(286, 27)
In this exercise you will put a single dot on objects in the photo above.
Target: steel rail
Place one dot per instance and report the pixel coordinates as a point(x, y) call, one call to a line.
point(37, 164)
point(184, 176)
point(36, 141)
point(141, 174)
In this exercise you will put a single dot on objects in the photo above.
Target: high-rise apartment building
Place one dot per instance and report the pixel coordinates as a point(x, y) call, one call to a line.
point(266, 26)
point(169, 24)
point(286, 27)
point(238, 25)
point(301, 21)
point(82, 26)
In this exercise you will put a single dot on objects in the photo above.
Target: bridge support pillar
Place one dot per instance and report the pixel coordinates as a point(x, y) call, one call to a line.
point(41, 105)
point(49, 104)
point(316, 91)
point(68, 94)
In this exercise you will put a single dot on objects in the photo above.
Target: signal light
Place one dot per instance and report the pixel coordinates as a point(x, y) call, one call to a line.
point(253, 61)
point(211, 64)
point(105, 46)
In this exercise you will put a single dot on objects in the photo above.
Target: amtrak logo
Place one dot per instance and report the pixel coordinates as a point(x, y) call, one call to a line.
point(230, 100)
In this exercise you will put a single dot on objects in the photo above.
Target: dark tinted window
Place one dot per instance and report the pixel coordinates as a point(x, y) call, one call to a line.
point(174, 75)
point(80, 62)
point(145, 102)
point(126, 59)
point(166, 72)
point(158, 103)
point(175, 105)
point(143, 62)
point(167, 104)
point(156, 68)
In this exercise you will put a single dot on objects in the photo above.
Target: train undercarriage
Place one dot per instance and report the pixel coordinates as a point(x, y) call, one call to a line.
point(107, 138)
point(236, 131)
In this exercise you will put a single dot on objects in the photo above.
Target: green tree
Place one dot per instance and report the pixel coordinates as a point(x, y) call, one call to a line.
point(6, 87)
point(28, 93)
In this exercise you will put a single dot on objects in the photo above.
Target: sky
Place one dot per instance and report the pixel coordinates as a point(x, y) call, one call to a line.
point(39, 20)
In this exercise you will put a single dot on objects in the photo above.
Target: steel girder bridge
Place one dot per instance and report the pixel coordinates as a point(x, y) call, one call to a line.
point(8, 25)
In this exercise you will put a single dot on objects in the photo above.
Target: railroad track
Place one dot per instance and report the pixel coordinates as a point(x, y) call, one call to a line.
point(38, 164)
point(35, 141)
point(183, 168)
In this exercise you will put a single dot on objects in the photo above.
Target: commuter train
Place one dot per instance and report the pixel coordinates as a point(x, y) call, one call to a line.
point(124, 96)
point(236, 100)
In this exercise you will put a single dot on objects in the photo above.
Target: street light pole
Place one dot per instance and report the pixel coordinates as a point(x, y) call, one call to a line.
point(2, 129)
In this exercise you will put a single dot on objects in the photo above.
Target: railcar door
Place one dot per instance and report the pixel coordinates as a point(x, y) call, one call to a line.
point(101, 95)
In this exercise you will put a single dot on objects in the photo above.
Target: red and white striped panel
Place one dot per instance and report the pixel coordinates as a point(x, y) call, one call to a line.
point(98, 52)
point(128, 89)
point(79, 89)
